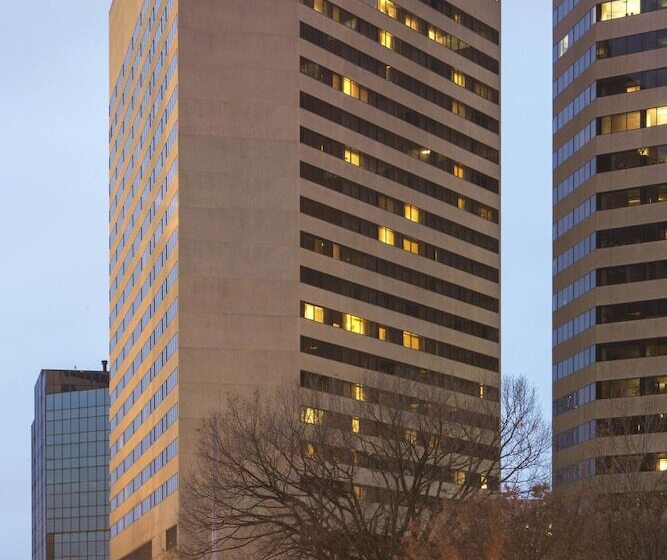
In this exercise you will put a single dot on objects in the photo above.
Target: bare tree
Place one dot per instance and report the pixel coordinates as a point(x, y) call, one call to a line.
point(347, 471)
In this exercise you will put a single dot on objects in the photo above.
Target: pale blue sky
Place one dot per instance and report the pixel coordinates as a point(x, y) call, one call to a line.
point(53, 211)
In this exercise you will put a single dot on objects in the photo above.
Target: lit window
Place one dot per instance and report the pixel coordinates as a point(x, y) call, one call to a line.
point(633, 88)
point(410, 246)
point(358, 393)
point(351, 88)
point(387, 7)
point(354, 324)
point(458, 172)
point(352, 156)
point(481, 391)
point(411, 436)
point(484, 482)
point(461, 203)
point(313, 313)
point(356, 425)
point(310, 450)
point(424, 154)
point(410, 340)
point(312, 415)
point(319, 6)
point(460, 477)
point(336, 251)
point(386, 39)
point(382, 333)
point(412, 22)
point(458, 78)
point(359, 491)
point(662, 464)
point(411, 213)
point(458, 109)
point(386, 235)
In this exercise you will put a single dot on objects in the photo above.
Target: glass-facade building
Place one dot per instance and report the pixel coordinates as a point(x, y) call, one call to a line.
point(301, 193)
point(609, 241)
point(70, 466)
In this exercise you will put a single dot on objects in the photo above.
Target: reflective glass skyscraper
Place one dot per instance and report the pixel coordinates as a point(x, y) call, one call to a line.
point(70, 466)
point(610, 240)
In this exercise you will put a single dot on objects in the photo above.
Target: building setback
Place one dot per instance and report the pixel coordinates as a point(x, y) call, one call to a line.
point(298, 190)
point(609, 239)
point(70, 466)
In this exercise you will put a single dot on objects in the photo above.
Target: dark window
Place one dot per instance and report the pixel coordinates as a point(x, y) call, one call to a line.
point(625, 274)
point(635, 196)
point(171, 538)
point(632, 311)
point(631, 349)
point(630, 235)
point(630, 44)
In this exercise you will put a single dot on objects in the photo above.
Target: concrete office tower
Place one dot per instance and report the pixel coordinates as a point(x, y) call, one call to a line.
point(609, 232)
point(299, 190)
point(70, 466)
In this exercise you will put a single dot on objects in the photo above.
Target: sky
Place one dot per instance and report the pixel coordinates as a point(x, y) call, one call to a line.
point(53, 212)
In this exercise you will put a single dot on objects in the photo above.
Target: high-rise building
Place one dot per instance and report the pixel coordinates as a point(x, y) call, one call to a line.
point(70, 466)
point(609, 239)
point(299, 191)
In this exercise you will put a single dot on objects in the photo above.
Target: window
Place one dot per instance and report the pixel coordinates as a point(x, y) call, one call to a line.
point(386, 235)
point(312, 415)
point(386, 39)
point(481, 390)
point(619, 8)
point(359, 491)
point(458, 172)
point(319, 6)
point(354, 324)
point(310, 450)
point(661, 464)
point(410, 246)
point(313, 313)
point(382, 333)
point(412, 22)
point(460, 477)
point(387, 7)
point(358, 393)
point(356, 425)
point(352, 156)
point(458, 78)
point(410, 340)
point(411, 213)
point(411, 436)
point(171, 538)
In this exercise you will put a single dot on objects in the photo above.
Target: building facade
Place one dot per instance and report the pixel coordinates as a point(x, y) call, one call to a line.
point(610, 240)
point(300, 191)
point(70, 466)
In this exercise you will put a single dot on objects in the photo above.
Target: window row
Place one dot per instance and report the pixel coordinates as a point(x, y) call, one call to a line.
point(397, 239)
point(159, 461)
point(616, 464)
point(573, 290)
point(574, 144)
point(76, 399)
point(575, 33)
point(630, 159)
point(161, 426)
point(405, 307)
point(572, 72)
point(407, 114)
point(402, 274)
point(633, 120)
point(636, 81)
point(463, 18)
point(409, 211)
point(156, 497)
point(436, 34)
point(631, 44)
point(573, 327)
point(574, 400)
point(397, 305)
point(380, 331)
point(632, 349)
point(632, 311)
point(574, 254)
point(405, 49)
point(398, 78)
point(403, 178)
point(380, 364)
point(635, 196)
point(399, 143)
point(623, 8)
point(574, 180)
point(574, 107)
point(631, 235)
point(562, 10)
point(574, 436)
point(368, 393)
point(162, 392)
point(574, 217)
point(573, 364)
